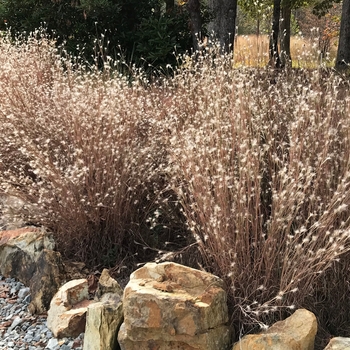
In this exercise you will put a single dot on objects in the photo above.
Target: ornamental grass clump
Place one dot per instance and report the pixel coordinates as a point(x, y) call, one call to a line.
point(260, 161)
point(80, 149)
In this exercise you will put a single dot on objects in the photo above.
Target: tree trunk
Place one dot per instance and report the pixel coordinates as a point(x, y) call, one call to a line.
point(273, 46)
point(343, 55)
point(224, 23)
point(286, 59)
point(194, 9)
point(169, 5)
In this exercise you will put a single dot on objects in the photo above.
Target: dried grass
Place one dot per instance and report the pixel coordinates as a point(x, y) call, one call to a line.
point(81, 148)
point(254, 164)
point(261, 169)
point(253, 51)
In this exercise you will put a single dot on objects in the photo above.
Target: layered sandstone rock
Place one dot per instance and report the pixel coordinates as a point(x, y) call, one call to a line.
point(67, 314)
point(297, 332)
point(20, 249)
point(28, 255)
point(338, 343)
point(105, 316)
point(170, 306)
point(47, 279)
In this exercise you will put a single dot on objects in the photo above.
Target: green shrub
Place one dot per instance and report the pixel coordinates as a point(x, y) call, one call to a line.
point(161, 39)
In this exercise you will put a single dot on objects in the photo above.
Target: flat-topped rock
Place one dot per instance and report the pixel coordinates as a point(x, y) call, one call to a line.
point(296, 332)
point(170, 306)
point(67, 314)
point(338, 343)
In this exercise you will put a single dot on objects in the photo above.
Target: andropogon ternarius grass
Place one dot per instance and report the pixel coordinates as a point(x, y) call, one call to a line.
point(249, 166)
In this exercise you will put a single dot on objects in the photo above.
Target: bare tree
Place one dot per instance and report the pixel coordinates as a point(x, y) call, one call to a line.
point(343, 55)
point(194, 9)
point(273, 46)
point(224, 22)
point(286, 12)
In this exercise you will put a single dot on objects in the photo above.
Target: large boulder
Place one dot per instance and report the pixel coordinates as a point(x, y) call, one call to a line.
point(67, 314)
point(105, 316)
point(20, 249)
point(338, 343)
point(28, 255)
point(297, 332)
point(170, 306)
point(46, 280)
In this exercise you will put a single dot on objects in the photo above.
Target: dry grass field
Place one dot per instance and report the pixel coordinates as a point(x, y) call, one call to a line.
point(253, 51)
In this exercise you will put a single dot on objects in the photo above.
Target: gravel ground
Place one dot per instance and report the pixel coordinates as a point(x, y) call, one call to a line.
point(19, 330)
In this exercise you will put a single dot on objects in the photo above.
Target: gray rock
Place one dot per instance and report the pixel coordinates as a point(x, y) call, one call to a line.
point(8, 317)
point(37, 337)
point(28, 338)
point(52, 344)
point(27, 299)
point(49, 335)
point(22, 293)
point(65, 347)
point(17, 321)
